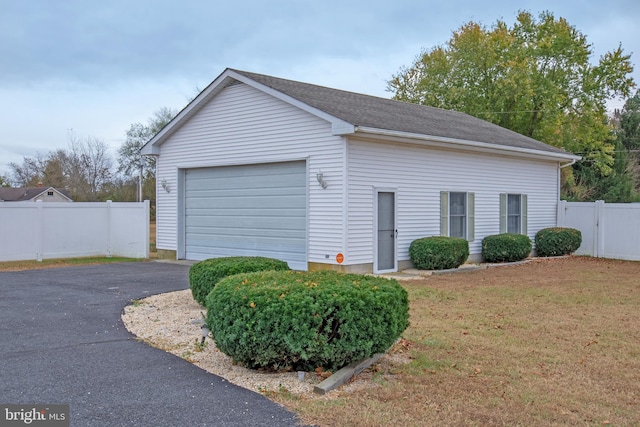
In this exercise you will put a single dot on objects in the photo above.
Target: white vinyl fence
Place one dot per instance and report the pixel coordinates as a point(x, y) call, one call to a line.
point(609, 230)
point(40, 230)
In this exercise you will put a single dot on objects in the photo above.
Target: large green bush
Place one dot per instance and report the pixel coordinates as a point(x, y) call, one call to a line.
point(438, 253)
point(506, 247)
point(204, 275)
point(305, 320)
point(557, 241)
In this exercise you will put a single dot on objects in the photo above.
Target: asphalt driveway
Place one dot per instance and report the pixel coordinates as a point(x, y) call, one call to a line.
point(62, 342)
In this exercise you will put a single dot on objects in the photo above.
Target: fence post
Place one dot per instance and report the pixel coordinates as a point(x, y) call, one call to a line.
point(40, 231)
point(561, 215)
point(147, 208)
point(599, 231)
point(109, 228)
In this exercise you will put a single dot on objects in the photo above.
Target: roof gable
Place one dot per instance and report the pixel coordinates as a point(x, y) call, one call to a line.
point(28, 193)
point(353, 113)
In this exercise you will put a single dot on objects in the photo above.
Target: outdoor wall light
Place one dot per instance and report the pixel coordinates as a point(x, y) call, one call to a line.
point(321, 181)
point(165, 185)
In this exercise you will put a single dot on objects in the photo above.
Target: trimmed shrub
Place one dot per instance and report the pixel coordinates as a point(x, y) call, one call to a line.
point(557, 241)
point(304, 320)
point(438, 253)
point(204, 275)
point(506, 247)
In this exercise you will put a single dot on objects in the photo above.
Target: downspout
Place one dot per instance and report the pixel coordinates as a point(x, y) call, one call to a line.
point(572, 162)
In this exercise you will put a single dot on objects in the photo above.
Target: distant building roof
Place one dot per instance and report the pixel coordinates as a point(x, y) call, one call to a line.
point(27, 193)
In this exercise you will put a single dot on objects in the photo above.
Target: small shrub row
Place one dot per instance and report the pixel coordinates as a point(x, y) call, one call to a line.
point(557, 241)
point(506, 247)
point(204, 275)
point(438, 253)
point(304, 320)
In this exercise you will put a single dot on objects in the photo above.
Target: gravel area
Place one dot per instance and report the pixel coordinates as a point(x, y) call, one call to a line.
point(172, 322)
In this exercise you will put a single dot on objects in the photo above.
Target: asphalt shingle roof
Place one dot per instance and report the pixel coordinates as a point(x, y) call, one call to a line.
point(381, 113)
point(25, 193)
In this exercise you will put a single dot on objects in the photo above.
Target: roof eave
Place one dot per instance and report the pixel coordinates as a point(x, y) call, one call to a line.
point(444, 142)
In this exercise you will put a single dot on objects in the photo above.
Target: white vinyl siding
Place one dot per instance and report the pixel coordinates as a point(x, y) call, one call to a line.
point(420, 174)
point(244, 126)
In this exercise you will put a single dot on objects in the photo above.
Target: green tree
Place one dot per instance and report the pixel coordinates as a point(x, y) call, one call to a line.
point(129, 159)
point(629, 119)
point(130, 162)
point(534, 78)
point(619, 186)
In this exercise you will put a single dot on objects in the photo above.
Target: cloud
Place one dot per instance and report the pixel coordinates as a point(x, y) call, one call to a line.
point(115, 40)
point(97, 67)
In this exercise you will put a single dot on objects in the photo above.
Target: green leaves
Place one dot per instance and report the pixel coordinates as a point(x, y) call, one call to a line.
point(204, 275)
point(557, 241)
point(534, 77)
point(303, 320)
point(438, 253)
point(129, 158)
point(506, 247)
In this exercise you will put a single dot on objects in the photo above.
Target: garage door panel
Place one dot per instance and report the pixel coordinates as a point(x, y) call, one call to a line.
point(219, 247)
point(201, 217)
point(246, 228)
point(204, 213)
point(242, 183)
point(264, 243)
point(244, 192)
point(256, 210)
point(295, 261)
point(241, 171)
point(226, 185)
point(275, 202)
point(242, 177)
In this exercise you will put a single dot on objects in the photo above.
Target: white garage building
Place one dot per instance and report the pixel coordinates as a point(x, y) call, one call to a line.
point(323, 178)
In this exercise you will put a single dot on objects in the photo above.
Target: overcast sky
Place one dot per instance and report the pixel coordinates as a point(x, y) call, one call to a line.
point(98, 66)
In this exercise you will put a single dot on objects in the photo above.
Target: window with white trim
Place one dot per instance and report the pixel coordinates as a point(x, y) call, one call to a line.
point(513, 213)
point(457, 216)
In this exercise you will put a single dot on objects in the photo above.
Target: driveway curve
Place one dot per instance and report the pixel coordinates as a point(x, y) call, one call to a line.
point(62, 342)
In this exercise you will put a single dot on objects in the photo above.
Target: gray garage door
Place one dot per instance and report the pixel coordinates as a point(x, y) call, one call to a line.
point(257, 210)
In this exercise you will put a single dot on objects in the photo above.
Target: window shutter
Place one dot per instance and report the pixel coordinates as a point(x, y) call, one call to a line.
point(523, 208)
point(503, 213)
point(471, 216)
point(444, 213)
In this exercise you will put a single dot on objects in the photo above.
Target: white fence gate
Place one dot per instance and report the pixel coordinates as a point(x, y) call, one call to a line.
point(42, 230)
point(609, 230)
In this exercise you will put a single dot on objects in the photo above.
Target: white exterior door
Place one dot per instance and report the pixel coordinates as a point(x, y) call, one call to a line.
point(250, 210)
point(386, 259)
